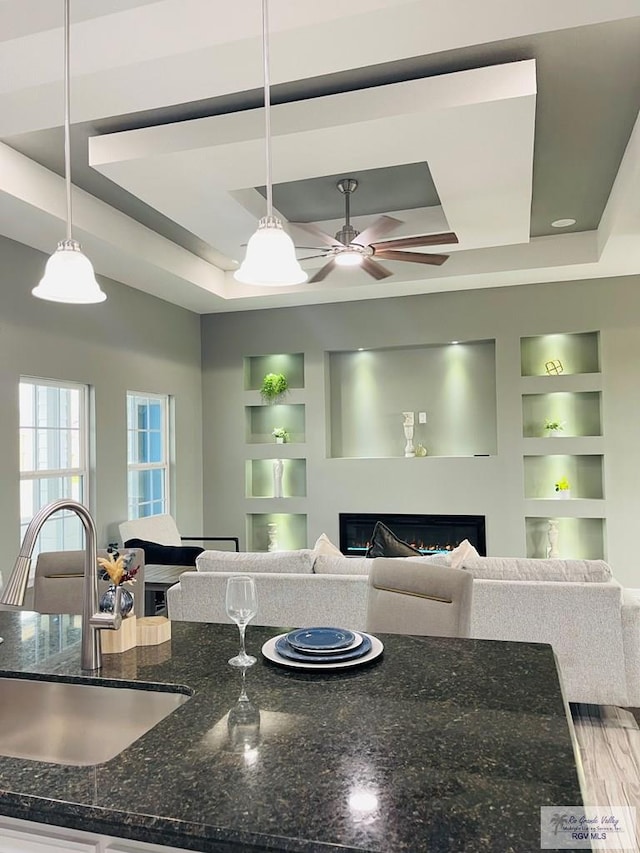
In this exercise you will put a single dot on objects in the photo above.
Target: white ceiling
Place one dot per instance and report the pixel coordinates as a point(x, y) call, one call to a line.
point(136, 64)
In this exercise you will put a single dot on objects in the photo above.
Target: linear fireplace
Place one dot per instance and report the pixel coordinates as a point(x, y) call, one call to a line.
point(431, 534)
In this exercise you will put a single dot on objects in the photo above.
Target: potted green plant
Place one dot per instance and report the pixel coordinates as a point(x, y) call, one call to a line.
point(274, 385)
point(280, 434)
point(563, 488)
point(553, 427)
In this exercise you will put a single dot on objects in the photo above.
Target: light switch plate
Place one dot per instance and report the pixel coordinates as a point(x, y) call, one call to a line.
point(422, 417)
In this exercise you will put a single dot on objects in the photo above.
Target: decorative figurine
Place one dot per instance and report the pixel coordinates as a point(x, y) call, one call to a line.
point(408, 422)
point(554, 367)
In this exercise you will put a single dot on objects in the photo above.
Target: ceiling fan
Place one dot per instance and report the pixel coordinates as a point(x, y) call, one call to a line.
point(352, 248)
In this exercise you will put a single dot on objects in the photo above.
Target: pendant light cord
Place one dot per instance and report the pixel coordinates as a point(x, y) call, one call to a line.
point(267, 101)
point(67, 121)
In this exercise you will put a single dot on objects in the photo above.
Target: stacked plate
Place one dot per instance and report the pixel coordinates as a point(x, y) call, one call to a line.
point(322, 648)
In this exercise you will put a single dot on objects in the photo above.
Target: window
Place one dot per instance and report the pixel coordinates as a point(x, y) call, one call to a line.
point(53, 457)
point(147, 454)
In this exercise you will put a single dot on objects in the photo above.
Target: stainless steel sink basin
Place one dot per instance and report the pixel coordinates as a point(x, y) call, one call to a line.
point(79, 723)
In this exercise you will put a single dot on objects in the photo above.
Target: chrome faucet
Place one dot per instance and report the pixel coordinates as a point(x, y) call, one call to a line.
point(93, 620)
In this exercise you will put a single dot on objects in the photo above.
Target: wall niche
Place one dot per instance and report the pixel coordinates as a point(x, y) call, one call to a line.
point(455, 384)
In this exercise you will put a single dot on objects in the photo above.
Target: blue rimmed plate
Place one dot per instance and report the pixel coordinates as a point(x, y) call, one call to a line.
point(320, 639)
point(311, 662)
point(320, 653)
point(286, 650)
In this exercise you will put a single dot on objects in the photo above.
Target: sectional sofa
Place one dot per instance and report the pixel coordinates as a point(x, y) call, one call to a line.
point(577, 606)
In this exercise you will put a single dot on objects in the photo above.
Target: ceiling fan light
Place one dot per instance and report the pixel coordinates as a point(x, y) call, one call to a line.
point(349, 259)
point(69, 277)
point(270, 259)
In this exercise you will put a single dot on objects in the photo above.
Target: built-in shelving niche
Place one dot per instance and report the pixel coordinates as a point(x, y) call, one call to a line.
point(454, 384)
point(257, 366)
point(275, 531)
point(261, 420)
point(578, 538)
point(260, 478)
point(578, 411)
point(578, 353)
point(584, 474)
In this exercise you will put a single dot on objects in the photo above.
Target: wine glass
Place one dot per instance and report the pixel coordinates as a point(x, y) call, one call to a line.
point(241, 607)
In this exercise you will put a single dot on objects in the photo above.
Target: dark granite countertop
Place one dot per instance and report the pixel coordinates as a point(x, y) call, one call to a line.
point(440, 745)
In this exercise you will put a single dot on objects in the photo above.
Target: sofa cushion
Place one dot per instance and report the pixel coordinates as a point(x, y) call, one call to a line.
point(165, 555)
point(327, 564)
point(385, 543)
point(325, 546)
point(524, 569)
point(300, 562)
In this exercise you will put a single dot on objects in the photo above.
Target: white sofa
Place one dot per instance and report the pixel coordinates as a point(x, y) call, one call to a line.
point(575, 605)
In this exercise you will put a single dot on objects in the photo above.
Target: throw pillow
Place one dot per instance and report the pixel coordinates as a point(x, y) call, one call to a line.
point(462, 552)
point(385, 543)
point(165, 555)
point(326, 547)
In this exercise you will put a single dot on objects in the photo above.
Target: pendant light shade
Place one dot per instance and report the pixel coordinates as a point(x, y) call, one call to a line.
point(68, 275)
point(270, 259)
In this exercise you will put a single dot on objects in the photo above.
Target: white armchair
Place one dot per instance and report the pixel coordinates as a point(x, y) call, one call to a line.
point(166, 557)
point(163, 530)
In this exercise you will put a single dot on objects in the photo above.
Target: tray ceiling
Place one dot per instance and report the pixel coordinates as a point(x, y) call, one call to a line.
point(490, 122)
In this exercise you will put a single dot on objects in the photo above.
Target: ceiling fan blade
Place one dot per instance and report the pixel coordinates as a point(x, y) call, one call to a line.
point(383, 225)
point(374, 269)
point(414, 257)
point(421, 240)
point(317, 248)
point(323, 272)
point(311, 257)
point(317, 233)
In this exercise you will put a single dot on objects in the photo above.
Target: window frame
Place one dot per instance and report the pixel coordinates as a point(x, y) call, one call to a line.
point(83, 471)
point(165, 464)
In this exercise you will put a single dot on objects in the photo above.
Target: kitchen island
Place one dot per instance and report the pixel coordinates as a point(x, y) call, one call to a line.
point(439, 745)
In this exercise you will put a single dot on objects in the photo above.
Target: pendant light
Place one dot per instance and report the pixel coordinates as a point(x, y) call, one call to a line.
point(271, 258)
point(68, 275)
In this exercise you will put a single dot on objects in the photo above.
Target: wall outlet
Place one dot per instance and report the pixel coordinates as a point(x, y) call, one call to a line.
point(422, 417)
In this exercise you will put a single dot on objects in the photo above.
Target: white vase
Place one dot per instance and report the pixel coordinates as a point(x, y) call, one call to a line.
point(279, 439)
point(272, 536)
point(554, 433)
point(563, 494)
point(553, 536)
point(278, 467)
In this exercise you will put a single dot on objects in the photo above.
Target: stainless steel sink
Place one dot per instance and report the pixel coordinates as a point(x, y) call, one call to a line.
point(78, 723)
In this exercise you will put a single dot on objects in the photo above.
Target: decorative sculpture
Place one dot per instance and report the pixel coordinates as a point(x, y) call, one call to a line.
point(554, 367)
point(408, 423)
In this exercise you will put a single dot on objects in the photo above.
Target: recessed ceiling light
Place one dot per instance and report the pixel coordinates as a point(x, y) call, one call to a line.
point(360, 349)
point(562, 223)
point(455, 343)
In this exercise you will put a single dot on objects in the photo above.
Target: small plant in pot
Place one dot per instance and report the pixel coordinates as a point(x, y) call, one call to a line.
point(553, 427)
point(274, 386)
point(280, 434)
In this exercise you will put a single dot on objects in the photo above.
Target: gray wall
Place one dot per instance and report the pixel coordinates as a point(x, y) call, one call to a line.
point(131, 342)
point(492, 486)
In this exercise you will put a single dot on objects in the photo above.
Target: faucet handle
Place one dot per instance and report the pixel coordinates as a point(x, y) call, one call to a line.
point(110, 620)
